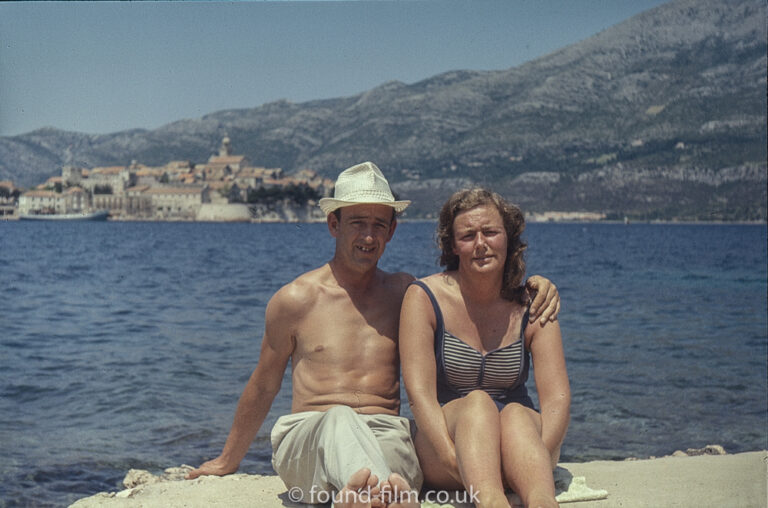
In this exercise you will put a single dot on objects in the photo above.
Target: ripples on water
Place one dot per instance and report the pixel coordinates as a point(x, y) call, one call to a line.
point(126, 345)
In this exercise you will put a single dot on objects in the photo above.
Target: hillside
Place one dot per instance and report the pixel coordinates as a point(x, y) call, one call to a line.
point(661, 116)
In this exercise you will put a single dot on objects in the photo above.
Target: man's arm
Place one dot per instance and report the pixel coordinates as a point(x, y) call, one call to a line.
point(276, 348)
point(546, 304)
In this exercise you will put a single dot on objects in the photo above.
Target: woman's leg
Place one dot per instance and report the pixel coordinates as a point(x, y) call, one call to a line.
point(435, 474)
point(473, 425)
point(526, 462)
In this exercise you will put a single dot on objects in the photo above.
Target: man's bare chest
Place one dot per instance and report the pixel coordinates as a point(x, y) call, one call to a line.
point(346, 331)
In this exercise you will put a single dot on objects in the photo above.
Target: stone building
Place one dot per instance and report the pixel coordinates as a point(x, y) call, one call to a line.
point(115, 178)
point(137, 203)
point(76, 200)
point(112, 202)
point(40, 201)
point(220, 167)
point(170, 202)
point(71, 175)
point(72, 200)
point(9, 196)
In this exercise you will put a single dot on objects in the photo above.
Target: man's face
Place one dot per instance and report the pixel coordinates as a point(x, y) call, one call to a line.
point(362, 233)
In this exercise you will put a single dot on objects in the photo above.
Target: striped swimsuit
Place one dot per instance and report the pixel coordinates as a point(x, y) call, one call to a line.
point(501, 373)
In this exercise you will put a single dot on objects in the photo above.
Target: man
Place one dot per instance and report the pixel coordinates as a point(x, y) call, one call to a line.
point(338, 325)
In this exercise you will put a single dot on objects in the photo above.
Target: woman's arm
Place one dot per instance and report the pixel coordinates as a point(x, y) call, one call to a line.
point(417, 358)
point(552, 384)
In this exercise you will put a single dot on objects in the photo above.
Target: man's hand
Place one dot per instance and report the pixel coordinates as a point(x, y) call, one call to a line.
point(215, 467)
point(546, 304)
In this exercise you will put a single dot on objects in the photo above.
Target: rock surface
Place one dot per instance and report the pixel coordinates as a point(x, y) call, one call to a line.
point(737, 480)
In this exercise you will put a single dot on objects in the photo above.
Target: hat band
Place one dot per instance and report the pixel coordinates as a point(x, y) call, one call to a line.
point(367, 196)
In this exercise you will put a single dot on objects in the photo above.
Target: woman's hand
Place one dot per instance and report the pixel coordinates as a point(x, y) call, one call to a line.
point(546, 304)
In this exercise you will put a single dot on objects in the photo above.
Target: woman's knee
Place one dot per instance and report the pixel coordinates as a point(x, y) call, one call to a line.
point(518, 419)
point(474, 409)
point(515, 411)
point(479, 400)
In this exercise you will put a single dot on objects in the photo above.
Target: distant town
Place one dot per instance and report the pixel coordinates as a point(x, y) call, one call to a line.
point(225, 188)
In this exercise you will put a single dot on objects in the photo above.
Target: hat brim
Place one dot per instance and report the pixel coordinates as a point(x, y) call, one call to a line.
point(330, 205)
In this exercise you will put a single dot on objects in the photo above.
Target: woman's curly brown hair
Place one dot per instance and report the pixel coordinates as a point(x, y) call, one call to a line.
point(514, 225)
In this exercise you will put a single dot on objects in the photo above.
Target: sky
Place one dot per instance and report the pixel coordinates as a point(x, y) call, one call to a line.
point(103, 67)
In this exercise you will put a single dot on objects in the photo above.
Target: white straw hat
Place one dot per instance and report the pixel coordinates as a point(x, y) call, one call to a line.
point(361, 184)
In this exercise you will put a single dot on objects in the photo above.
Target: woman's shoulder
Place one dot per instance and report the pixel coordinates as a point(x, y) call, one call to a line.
point(535, 329)
point(441, 288)
point(437, 285)
point(440, 280)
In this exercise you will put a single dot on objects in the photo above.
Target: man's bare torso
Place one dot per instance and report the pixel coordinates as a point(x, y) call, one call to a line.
point(345, 342)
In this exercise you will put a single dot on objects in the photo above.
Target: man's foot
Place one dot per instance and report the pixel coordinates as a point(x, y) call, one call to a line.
point(361, 491)
point(396, 493)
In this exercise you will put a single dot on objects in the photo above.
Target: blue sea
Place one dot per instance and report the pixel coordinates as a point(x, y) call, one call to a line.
point(126, 345)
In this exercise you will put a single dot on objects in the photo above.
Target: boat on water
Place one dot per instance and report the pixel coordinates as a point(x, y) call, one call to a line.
point(79, 216)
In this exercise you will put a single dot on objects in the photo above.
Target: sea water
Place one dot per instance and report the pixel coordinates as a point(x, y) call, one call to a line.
point(127, 345)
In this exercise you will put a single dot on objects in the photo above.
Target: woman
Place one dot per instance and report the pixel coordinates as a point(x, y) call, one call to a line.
point(465, 341)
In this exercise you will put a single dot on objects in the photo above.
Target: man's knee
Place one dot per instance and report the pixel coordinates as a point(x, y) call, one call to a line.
point(340, 419)
point(338, 415)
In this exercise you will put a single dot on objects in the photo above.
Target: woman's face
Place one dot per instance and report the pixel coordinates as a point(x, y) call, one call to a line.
point(479, 239)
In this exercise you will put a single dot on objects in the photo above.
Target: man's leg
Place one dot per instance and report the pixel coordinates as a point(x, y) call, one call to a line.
point(393, 434)
point(320, 451)
point(401, 488)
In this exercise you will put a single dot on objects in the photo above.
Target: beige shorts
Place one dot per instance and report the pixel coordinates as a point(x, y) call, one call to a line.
point(317, 451)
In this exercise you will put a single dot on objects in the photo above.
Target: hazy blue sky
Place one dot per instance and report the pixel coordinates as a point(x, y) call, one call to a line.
point(100, 67)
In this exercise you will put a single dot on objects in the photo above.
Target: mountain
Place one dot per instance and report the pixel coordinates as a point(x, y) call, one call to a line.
point(661, 116)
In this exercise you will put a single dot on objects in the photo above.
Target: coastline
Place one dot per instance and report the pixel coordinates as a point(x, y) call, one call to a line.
point(15, 218)
point(683, 480)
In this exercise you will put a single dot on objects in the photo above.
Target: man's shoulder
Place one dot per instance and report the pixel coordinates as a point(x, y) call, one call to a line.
point(398, 281)
point(299, 294)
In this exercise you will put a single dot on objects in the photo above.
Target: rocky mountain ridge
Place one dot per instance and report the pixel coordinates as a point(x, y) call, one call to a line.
point(661, 116)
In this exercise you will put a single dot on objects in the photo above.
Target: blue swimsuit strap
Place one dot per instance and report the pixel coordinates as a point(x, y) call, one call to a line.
point(445, 392)
point(440, 330)
point(524, 324)
point(438, 313)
